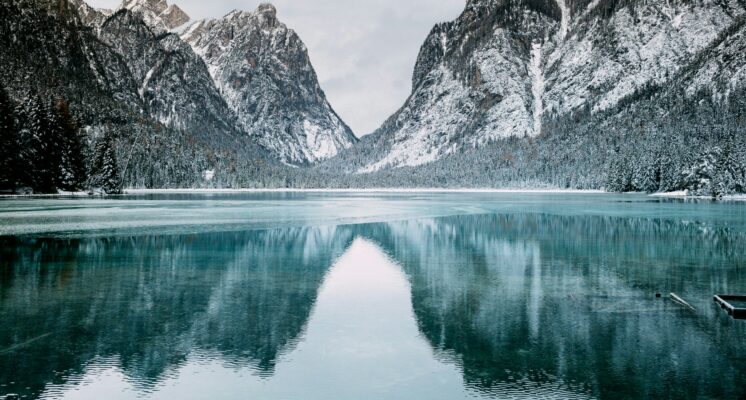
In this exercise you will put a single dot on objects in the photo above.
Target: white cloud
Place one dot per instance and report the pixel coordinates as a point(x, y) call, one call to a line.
point(363, 50)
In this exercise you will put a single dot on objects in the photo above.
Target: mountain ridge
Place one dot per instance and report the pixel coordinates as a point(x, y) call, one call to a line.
point(485, 63)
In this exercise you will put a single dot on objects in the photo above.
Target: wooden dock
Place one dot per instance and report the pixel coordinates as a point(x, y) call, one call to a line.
point(724, 300)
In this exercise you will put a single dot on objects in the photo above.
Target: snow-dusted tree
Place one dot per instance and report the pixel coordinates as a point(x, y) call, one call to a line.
point(71, 174)
point(619, 174)
point(698, 178)
point(646, 176)
point(717, 172)
point(729, 172)
point(40, 157)
point(9, 146)
point(104, 171)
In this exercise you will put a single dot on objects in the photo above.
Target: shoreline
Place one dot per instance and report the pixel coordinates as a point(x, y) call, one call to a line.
point(684, 195)
point(137, 192)
point(371, 190)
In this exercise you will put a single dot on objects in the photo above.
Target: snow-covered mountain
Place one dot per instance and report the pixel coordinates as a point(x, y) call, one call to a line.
point(256, 65)
point(263, 71)
point(238, 91)
point(508, 68)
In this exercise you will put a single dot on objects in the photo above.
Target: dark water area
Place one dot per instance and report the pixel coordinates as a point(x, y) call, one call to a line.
point(436, 296)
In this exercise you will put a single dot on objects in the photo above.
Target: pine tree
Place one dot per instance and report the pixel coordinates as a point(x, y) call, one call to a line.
point(104, 173)
point(71, 174)
point(40, 139)
point(646, 177)
point(9, 144)
point(728, 172)
point(619, 174)
point(699, 178)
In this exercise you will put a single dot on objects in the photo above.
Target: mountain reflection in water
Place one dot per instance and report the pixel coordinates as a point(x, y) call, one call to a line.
point(497, 305)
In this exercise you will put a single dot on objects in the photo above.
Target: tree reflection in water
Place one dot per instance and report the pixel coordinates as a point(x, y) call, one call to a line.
point(528, 304)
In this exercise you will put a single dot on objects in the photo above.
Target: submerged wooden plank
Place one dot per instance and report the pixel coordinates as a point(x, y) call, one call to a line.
point(726, 302)
point(24, 344)
point(682, 302)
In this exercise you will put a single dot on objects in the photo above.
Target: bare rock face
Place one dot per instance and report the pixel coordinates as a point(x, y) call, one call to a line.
point(268, 10)
point(162, 74)
point(505, 68)
point(157, 13)
point(263, 71)
point(173, 82)
point(174, 17)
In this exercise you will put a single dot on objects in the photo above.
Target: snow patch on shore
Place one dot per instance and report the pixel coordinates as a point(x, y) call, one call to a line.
point(680, 193)
point(683, 194)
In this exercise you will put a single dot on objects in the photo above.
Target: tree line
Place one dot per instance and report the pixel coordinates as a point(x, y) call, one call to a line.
point(649, 143)
point(43, 150)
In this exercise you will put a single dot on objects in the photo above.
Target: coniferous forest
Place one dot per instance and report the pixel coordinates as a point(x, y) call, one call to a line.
point(43, 148)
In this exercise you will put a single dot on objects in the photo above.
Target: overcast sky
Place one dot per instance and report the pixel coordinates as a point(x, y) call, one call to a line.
point(363, 50)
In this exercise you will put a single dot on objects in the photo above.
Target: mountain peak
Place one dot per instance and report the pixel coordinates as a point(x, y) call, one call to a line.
point(156, 6)
point(174, 16)
point(263, 70)
point(267, 9)
point(158, 13)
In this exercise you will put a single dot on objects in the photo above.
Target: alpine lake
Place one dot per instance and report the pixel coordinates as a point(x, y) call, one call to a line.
point(370, 295)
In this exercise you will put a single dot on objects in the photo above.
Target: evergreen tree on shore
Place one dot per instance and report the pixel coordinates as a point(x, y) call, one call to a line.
point(104, 172)
point(40, 144)
point(9, 148)
point(71, 174)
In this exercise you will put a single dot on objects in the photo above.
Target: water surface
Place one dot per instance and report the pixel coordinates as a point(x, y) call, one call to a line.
point(370, 296)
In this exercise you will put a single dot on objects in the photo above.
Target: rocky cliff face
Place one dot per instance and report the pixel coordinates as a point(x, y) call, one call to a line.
point(173, 83)
point(612, 50)
point(505, 68)
point(158, 14)
point(263, 71)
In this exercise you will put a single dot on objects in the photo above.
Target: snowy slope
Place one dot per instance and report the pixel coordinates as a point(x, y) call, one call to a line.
point(506, 68)
point(263, 71)
point(120, 79)
point(475, 81)
point(605, 59)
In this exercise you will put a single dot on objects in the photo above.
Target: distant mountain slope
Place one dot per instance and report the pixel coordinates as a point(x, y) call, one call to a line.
point(507, 68)
point(622, 95)
point(263, 70)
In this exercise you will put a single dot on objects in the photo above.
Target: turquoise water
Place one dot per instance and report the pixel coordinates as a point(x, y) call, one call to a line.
point(370, 296)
